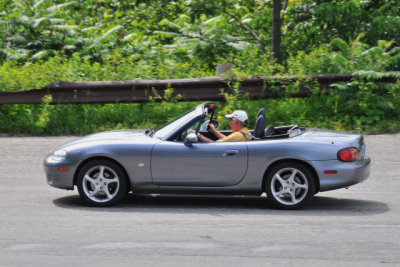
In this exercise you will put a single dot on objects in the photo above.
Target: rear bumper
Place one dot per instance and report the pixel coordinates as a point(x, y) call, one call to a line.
point(348, 173)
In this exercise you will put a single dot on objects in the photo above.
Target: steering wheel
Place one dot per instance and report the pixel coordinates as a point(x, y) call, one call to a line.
point(204, 125)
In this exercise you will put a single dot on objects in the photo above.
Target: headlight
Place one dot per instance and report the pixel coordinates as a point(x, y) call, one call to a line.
point(58, 155)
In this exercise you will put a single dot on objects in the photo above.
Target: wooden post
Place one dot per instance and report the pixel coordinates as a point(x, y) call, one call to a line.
point(225, 69)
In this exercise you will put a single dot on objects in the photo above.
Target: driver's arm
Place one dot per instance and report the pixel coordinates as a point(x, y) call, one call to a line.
point(202, 138)
point(215, 131)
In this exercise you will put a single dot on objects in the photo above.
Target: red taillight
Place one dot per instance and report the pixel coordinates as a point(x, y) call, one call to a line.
point(348, 154)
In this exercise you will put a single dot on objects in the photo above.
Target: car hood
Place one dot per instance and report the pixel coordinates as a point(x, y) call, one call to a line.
point(118, 135)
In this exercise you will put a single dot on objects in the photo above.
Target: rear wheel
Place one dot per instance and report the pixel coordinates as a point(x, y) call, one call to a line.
point(101, 183)
point(290, 185)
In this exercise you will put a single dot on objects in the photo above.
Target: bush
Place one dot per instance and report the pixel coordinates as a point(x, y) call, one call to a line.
point(360, 105)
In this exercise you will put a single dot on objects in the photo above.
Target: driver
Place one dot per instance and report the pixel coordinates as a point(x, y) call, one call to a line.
point(238, 121)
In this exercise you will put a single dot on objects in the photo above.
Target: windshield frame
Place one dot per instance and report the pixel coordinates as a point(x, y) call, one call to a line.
point(167, 130)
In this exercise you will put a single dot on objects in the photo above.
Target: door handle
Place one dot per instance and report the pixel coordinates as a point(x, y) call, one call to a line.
point(230, 153)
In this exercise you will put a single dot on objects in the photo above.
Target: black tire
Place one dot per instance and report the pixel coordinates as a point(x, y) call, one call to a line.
point(290, 185)
point(102, 183)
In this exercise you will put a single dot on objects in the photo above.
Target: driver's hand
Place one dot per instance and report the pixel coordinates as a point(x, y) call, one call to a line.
point(190, 131)
point(212, 127)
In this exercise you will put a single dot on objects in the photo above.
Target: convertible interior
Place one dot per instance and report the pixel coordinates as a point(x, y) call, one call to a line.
point(260, 131)
point(270, 132)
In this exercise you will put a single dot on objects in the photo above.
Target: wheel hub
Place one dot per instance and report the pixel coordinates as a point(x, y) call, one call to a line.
point(289, 186)
point(100, 184)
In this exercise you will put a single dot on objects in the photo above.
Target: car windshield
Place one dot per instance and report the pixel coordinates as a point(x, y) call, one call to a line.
point(166, 129)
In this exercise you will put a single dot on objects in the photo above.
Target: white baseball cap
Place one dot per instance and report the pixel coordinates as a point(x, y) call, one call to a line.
point(239, 115)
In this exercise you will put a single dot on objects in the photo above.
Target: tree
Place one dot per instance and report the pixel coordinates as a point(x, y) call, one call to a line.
point(276, 30)
point(315, 22)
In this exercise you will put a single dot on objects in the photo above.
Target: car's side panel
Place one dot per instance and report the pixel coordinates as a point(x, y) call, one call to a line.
point(261, 155)
point(319, 154)
point(134, 157)
point(200, 164)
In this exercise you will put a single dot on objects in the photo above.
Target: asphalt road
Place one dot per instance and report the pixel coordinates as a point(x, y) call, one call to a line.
point(44, 226)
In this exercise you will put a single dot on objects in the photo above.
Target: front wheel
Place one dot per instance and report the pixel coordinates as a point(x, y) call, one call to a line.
point(101, 183)
point(290, 185)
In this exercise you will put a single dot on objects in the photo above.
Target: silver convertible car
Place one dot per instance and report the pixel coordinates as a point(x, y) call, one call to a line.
point(288, 163)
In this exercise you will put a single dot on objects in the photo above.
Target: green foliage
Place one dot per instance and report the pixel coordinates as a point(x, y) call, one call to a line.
point(14, 77)
point(43, 41)
point(368, 103)
point(67, 119)
point(44, 115)
point(32, 30)
point(310, 23)
point(341, 57)
point(364, 104)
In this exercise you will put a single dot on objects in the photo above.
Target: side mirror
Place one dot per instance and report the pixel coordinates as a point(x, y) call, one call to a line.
point(190, 139)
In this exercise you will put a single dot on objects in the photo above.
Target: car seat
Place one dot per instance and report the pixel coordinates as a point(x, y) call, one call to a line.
point(259, 129)
point(270, 130)
point(261, 112)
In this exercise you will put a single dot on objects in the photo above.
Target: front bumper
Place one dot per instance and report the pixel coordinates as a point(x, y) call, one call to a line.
point(348, 173)
point(60, 179)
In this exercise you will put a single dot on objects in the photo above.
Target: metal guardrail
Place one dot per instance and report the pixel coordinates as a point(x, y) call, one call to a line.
point(196, 89)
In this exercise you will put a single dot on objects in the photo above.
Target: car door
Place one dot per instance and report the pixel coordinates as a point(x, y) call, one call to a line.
point(198, 165)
